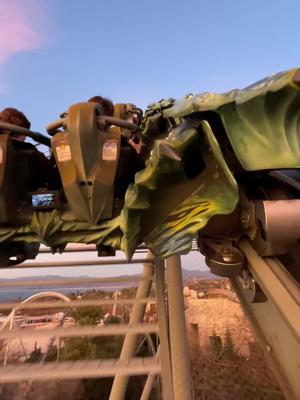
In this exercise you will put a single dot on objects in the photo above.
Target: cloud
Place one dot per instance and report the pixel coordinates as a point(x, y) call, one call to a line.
point(20, 27)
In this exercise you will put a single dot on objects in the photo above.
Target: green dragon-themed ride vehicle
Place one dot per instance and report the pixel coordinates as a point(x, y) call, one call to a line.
point(211, 165)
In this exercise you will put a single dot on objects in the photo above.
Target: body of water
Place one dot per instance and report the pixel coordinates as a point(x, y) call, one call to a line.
point(22, 294)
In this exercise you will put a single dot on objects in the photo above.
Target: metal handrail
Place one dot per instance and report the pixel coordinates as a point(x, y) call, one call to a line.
point(74, 303)
point(75, 263)
point(79, 331)
point(79, 369)
point(67, 282)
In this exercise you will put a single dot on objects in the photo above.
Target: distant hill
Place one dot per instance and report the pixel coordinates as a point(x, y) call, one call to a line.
point(11, 290)
point(186, 274)
point(55, 277)
point(198, 274)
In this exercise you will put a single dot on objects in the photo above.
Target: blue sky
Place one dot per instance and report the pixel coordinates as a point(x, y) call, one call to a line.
point(57, 52)
point(54, 53)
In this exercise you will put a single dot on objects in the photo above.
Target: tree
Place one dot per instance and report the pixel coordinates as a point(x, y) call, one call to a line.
point(92, 348)
point(228, 347)
point(216, 345)
point(87, 315)
point(35, 355)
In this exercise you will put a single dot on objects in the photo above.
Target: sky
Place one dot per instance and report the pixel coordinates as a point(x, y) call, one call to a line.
point(54, 53)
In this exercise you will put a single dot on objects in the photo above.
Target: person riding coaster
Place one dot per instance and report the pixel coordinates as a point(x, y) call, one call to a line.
point(24, 170)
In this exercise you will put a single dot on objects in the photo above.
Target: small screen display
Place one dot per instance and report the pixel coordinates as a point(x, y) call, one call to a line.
point(43, 200)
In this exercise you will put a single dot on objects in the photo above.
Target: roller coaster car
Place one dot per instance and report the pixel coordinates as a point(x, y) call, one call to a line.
point(214, 169)
point(94, 163)
point(217, 170)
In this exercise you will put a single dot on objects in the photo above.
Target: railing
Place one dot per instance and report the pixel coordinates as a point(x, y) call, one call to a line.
point(171, 356)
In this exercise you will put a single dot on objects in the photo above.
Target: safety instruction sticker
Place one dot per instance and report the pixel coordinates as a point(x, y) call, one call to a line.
point(110, 150)
point(63, 152)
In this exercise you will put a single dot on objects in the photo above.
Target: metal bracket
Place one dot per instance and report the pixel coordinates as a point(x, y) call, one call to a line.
point(222, 257)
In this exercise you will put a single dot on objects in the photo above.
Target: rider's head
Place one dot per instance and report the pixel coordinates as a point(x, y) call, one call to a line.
point(15, 117)
point(106, 104)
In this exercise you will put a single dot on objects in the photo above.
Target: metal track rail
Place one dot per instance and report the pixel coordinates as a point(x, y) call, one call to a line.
point(37, 305)
point(79, 369)
point(67, 282)
point(78, 248)
point(276, 321)
point(79, 263)
point(105, 330)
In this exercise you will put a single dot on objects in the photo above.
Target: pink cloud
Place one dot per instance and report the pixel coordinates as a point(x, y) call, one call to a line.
point(19, 27)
